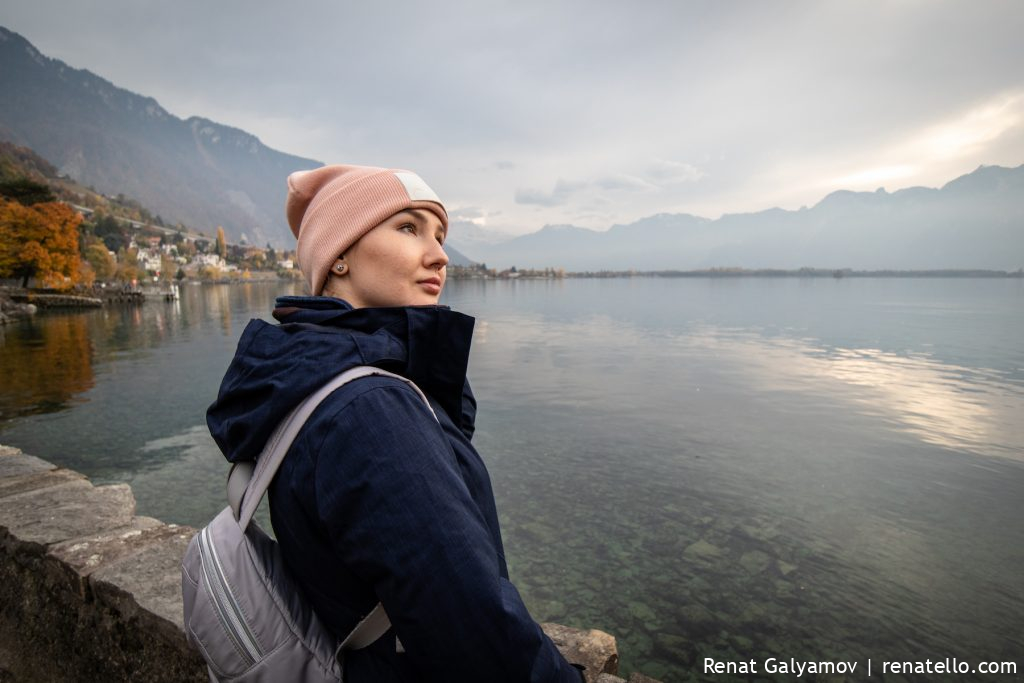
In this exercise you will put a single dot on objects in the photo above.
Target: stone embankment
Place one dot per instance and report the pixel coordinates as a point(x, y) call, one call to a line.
point(20, 303)
point(90, 591)
point(46, 300)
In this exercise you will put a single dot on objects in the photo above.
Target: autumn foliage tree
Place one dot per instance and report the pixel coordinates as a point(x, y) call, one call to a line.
point(222, 245)
point(39, 241)
point(102, 261)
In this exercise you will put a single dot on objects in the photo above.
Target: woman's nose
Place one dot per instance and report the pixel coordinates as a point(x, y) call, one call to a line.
point(437, 258)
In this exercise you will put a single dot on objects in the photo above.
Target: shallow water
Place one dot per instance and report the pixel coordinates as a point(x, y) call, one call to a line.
point(727, 468)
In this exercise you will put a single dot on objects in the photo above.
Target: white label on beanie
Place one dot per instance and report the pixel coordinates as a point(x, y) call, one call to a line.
point(416, 188)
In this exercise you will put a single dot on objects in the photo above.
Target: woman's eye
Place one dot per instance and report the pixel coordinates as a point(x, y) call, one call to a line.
point(408, 227)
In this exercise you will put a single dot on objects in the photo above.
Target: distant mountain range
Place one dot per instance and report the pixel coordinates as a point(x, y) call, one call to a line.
point(975, 221)
point(205, 174)
point(195, 171)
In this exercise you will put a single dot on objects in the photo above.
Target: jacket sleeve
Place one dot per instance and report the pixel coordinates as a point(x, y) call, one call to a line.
point(392, 498)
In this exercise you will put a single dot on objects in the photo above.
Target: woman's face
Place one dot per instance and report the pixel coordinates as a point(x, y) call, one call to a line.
point(398, 263)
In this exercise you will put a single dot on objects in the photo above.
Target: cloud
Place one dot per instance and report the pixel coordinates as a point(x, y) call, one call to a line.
point(622, 181)
point(759, 125)
point(673, 172)
point(557, 197)
point(474, 215)
point(467, 213)
point(565, 189)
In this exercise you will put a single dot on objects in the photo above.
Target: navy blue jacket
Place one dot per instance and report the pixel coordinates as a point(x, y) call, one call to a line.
point(376, 499)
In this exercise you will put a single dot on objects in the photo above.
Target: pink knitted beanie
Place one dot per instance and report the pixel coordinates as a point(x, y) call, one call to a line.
point(331, 207)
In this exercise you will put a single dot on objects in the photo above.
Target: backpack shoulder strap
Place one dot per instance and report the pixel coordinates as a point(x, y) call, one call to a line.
point(247, 483)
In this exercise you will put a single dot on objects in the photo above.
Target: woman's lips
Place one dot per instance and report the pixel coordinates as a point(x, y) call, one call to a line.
point(432, 285)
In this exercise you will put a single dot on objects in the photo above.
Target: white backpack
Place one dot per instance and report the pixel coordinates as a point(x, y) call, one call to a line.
point(243, 611)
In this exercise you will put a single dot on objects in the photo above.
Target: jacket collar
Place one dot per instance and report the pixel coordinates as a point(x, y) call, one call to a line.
point(428, 344)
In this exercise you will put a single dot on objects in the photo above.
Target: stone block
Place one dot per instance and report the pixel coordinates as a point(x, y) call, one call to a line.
point(147, 583)
point(608, 678)
point(594, 649)
point(88, 553)
point(79, 557)
point(73, 509)
point(14, 463)
point(10, 486)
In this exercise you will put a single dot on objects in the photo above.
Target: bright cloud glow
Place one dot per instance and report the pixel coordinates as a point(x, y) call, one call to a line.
point(979, 128)
point(874, 176)
point(962, 141)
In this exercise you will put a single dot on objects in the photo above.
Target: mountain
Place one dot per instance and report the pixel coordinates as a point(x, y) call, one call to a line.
point(973, 222)
point(205, 174)
point(194, 171)
point(456, 257)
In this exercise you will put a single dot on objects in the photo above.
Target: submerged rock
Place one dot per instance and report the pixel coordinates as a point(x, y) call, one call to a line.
point(702, 550)
point(755, 561)
point(785, 568)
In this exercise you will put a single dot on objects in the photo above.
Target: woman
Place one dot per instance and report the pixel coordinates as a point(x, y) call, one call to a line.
point(377, 500)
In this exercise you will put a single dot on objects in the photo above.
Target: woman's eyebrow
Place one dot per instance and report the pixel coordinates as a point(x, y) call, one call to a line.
point(419, 215)
point(406, 214)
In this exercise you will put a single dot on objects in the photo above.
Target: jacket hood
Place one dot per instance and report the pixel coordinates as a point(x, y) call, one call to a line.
point(277, 366)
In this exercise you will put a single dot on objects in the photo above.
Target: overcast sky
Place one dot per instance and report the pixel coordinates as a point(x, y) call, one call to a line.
point(525, 113)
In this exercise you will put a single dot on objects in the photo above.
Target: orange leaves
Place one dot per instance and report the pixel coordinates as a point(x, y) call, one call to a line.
point(40, 241)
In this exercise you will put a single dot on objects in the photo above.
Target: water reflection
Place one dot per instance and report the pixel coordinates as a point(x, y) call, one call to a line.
point(50, 358)
point(45, 363)
point(974, 409)
point(970, 409)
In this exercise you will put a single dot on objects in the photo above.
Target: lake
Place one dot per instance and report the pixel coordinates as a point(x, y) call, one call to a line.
point(727, 468)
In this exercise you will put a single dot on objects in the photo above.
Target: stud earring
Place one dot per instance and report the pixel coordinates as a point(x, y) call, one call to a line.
point(340, 268)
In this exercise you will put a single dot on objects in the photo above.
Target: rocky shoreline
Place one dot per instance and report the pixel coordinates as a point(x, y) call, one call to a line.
point(91, 591)
point(11, 310)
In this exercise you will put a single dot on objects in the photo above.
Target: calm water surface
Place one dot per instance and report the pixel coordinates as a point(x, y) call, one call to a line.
point(726, 468)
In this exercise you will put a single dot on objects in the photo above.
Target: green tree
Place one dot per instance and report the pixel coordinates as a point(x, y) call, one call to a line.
point(26, 192)
point(111, 231)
